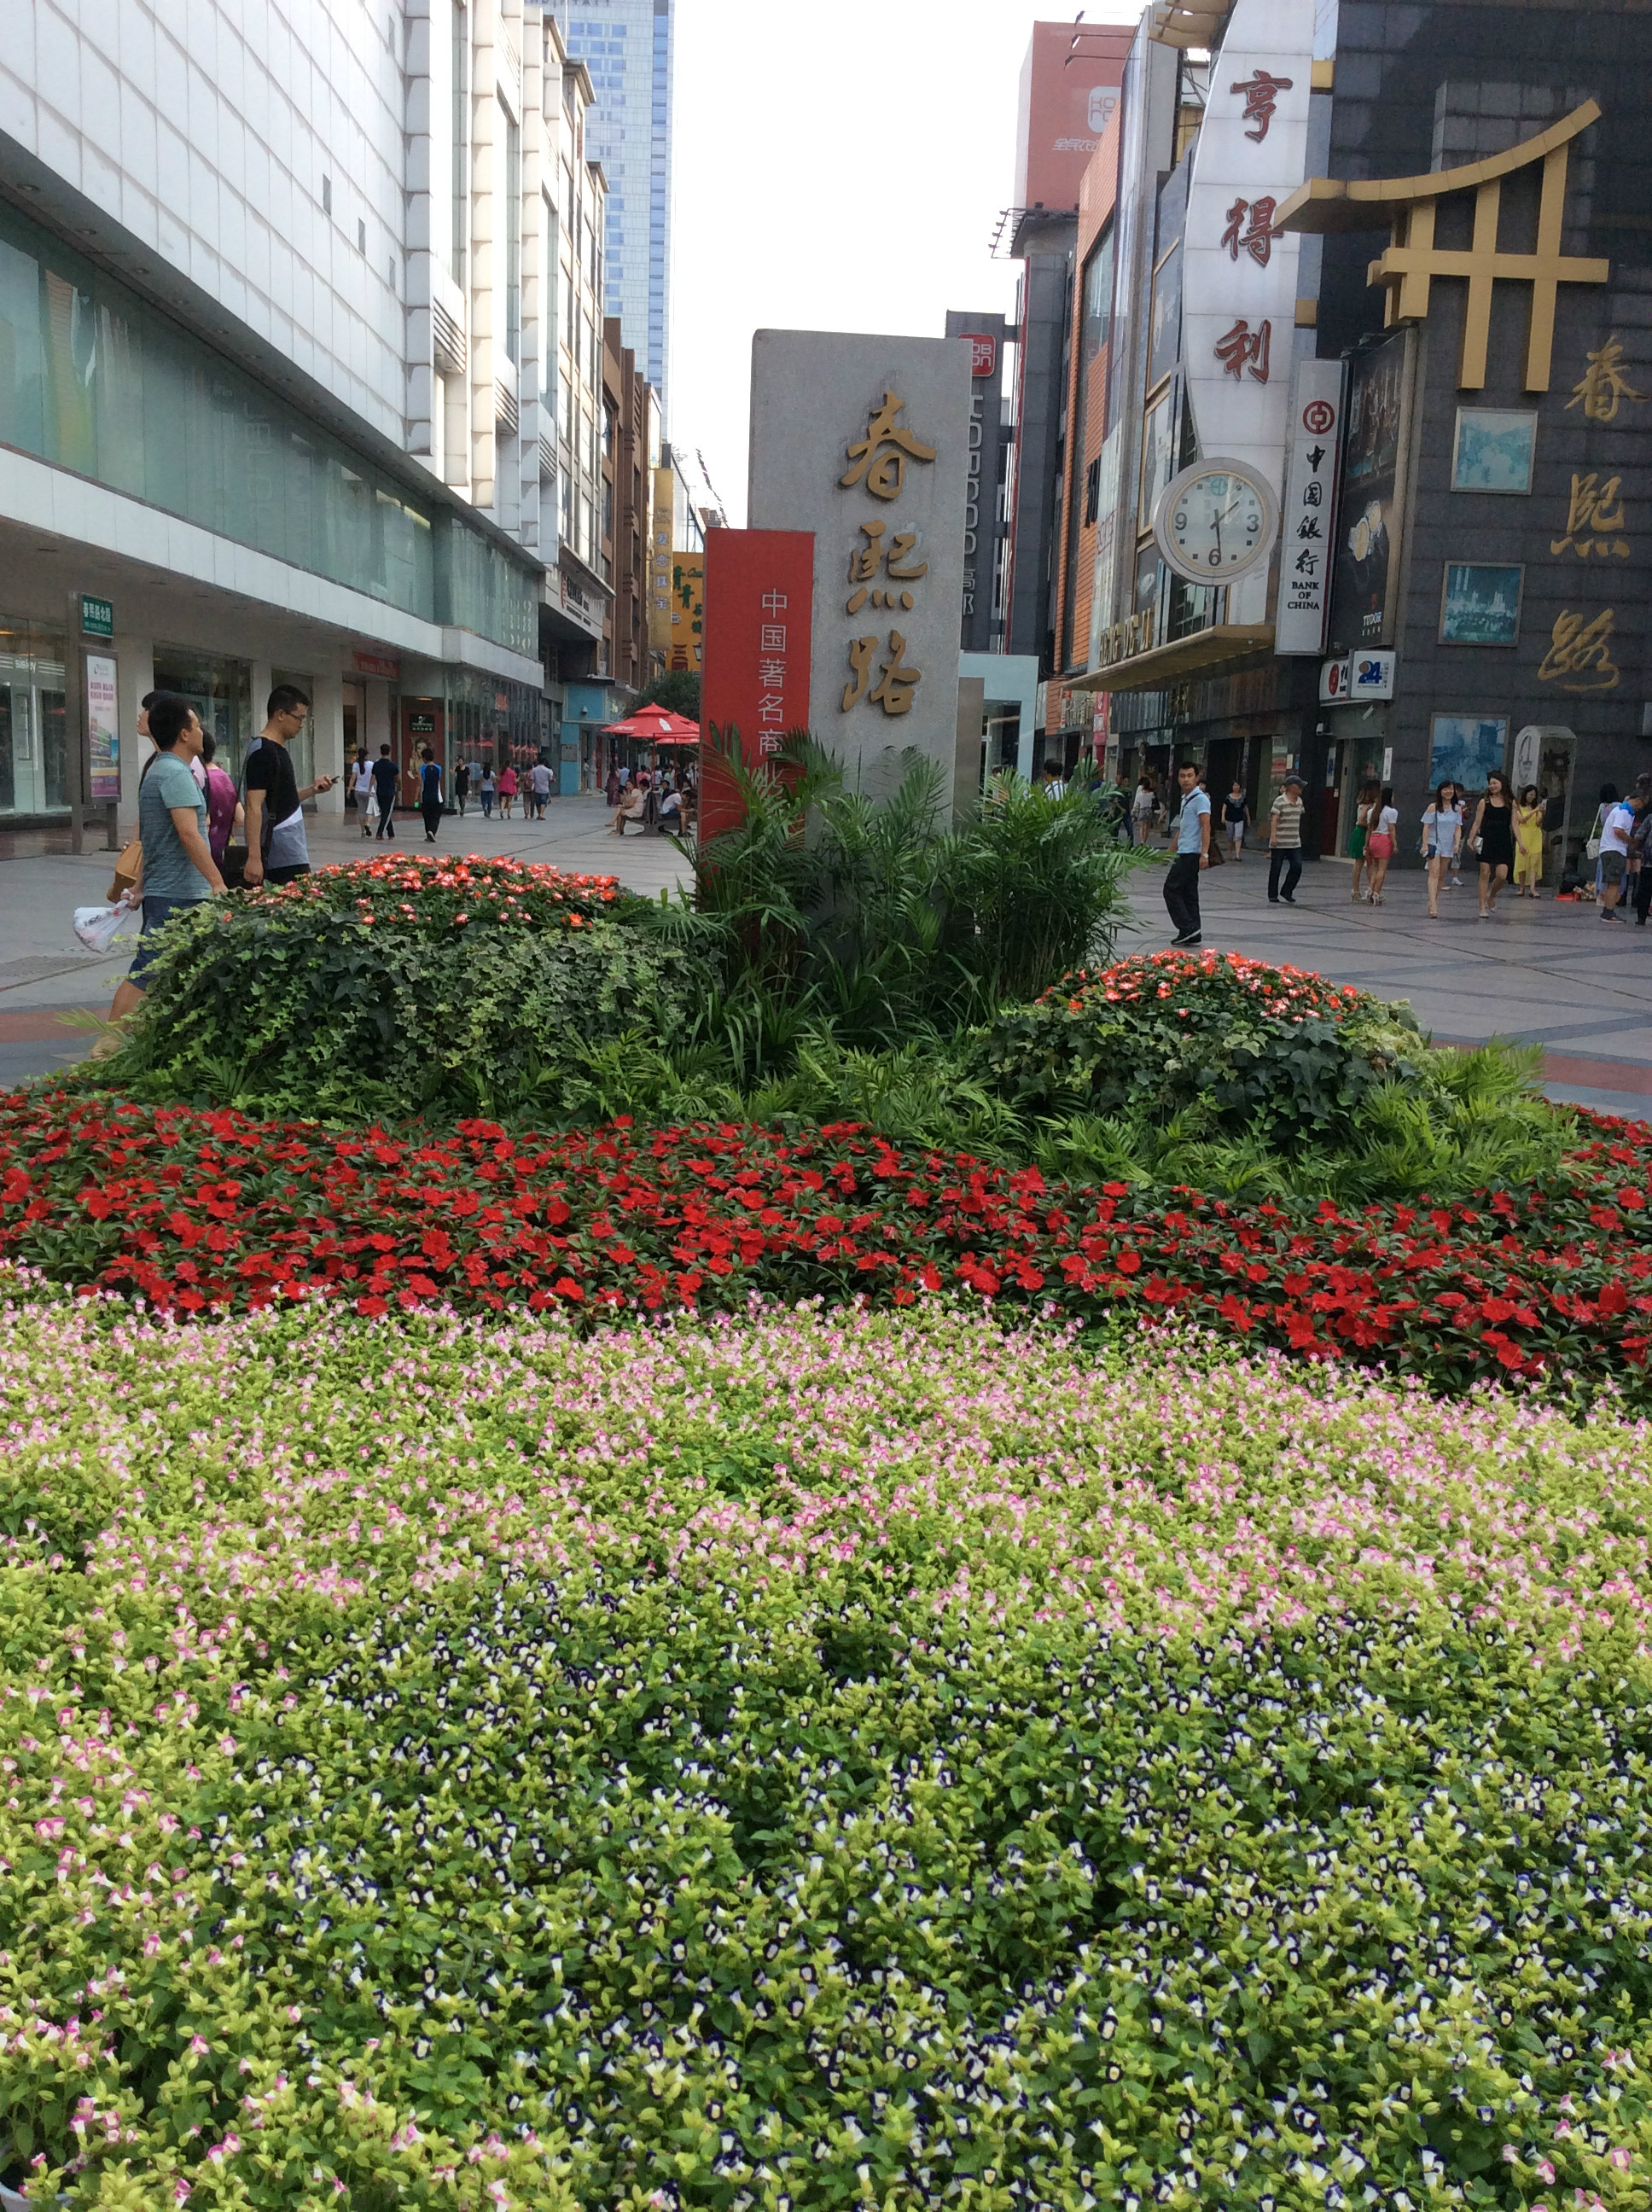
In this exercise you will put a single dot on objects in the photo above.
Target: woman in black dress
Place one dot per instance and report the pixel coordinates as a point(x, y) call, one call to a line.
point(1493, 837)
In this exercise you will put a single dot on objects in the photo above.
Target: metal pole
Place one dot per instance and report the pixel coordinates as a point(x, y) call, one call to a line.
point(74, 725)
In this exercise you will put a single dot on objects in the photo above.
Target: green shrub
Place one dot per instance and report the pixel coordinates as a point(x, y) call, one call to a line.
point(424, 987)
point(1250, 1045)
point(864, 919)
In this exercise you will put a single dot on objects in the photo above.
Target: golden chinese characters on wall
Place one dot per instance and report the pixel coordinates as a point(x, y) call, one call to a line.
point(1579, 658)
point(884, 566)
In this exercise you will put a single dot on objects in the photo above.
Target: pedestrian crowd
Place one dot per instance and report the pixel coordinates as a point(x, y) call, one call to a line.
point(1502, 833)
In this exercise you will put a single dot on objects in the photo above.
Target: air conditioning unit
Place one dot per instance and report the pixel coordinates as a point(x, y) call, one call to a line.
point(449, 341)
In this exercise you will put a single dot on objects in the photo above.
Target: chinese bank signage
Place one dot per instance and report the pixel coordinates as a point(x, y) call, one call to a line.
point(863, 443)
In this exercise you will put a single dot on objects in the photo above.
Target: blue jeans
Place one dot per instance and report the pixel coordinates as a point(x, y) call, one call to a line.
point(156, 912)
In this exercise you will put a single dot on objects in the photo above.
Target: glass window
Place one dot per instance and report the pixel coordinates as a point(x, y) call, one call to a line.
point(219, 689)
point(1098, 298)
point(34, 752)
point(92, 379)
point(461, 134)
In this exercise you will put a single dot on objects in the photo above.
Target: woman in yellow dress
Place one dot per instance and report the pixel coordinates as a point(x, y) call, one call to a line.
point(1528, 843)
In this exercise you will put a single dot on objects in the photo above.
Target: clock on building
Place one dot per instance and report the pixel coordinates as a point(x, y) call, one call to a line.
point(1217, 521)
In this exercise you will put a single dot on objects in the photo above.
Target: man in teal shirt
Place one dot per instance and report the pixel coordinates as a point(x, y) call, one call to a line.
point(178, 869)
point(1192, 854)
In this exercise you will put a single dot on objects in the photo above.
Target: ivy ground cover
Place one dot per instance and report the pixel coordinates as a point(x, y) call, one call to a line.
point(810, 1760)
point(199, 1210)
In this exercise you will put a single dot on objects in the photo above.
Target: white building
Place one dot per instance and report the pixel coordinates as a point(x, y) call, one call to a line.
point(300, 371)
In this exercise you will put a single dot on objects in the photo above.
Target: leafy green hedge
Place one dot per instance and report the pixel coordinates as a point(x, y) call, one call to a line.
point(1271, 1049)
point(402, 986)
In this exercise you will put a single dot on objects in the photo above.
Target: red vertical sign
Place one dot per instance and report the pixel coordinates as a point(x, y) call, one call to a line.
point(760, 588)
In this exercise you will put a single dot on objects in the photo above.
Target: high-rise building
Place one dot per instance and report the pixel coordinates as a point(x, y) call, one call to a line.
point(316, 397)
point(1069, 89)
point(627, 46)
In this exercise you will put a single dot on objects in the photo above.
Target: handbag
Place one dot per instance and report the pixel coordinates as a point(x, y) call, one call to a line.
point(129, 870)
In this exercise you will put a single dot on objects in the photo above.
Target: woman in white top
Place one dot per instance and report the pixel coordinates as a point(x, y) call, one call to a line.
point(1442, 827)
point(364, 809)
point(1379, 846)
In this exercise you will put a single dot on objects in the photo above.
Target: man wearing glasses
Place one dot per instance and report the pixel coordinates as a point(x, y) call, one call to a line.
point(277, 850)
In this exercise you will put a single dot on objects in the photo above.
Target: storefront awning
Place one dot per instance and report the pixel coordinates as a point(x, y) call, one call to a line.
point(1186, 657)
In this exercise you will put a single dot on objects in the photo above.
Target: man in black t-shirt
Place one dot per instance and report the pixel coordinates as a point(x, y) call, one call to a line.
point(386, 781)
point(277, 850)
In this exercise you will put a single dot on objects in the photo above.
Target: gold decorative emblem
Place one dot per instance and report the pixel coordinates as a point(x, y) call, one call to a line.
point(1413, 261)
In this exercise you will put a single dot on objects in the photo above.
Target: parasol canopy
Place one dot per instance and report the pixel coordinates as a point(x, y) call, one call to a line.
point(657, 725)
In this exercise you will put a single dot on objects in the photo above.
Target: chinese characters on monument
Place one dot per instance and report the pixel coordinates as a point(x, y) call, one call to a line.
point(883, 567)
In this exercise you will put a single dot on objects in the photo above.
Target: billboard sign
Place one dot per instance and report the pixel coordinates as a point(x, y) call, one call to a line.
point(983, 532)
point(1372, 473)
point(102, 727)
point(759, 640)
point(1069, 88)
point(1309, 508)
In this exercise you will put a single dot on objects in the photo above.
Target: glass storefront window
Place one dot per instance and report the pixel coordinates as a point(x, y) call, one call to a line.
point(34, 752)
point(92, 378)
point(221, 692)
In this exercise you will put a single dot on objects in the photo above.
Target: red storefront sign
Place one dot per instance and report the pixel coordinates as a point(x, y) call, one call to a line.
point(760, 586)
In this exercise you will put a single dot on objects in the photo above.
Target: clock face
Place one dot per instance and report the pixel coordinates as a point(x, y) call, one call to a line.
point(1216, 521)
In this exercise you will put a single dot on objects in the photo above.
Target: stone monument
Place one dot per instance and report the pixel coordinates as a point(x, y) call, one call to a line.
point(865, 442)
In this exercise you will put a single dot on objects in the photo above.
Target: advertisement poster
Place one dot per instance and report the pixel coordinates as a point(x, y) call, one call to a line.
point(102, 729)
point(1372, 469)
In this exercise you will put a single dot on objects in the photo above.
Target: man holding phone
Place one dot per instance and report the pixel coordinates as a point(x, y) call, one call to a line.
point(277, 850)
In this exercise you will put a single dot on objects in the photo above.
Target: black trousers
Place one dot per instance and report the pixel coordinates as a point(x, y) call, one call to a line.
point(1286, 860)
point(387, 821)
point(431, 811)
point(1181, 893)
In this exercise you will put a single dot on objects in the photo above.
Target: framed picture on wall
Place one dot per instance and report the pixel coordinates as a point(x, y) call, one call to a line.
point(1480, 603)
point(1496, 449)
point(1465, 748)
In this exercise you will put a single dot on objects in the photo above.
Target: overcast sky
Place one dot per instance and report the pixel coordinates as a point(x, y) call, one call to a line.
point(836, 169)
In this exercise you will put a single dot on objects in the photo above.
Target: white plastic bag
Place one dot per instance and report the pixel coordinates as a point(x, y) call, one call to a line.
point(98, 927)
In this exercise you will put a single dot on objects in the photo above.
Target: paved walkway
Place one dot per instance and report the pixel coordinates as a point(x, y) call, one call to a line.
point(1549, 973)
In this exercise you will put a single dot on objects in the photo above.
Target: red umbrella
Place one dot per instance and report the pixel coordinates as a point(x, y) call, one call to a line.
point(657, 725)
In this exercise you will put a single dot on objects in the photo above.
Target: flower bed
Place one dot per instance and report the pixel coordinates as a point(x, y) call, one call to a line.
point(196, 1211)
point(433, 895)
point(807, 1762)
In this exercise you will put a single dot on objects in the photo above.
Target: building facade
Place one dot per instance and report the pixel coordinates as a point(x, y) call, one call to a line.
point(302, 392)
point(627, 45)
point(1453, 273)
point(1070, 89)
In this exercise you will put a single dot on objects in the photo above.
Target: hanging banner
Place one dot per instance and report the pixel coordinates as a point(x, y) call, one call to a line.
point(759, 645)
point(1311, 509)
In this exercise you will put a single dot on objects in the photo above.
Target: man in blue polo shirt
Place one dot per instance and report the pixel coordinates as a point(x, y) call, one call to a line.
point(1192, 854)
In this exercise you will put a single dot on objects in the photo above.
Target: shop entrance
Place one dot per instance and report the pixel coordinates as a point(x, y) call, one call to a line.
point(34, 751)
point(1546, 754)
